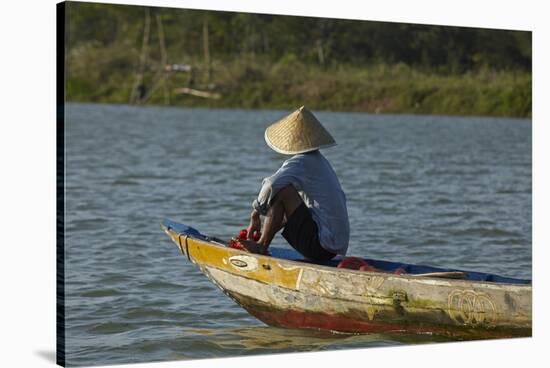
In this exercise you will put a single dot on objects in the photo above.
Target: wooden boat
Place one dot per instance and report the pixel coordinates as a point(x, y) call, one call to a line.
point(284, 290)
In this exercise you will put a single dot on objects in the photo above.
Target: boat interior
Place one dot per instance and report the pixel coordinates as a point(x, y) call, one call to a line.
point(385, 266)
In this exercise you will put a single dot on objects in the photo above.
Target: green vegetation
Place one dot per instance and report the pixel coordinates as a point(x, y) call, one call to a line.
point(265, 61)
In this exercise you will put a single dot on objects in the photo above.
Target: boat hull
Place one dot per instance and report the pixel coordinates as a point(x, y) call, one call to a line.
point(290, 294)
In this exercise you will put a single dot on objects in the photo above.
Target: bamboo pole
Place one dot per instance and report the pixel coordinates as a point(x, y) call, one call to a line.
point(206, 49)
point(163, 60)
point(161, 76)
point(142, 59)
point(198, 93)
point(443, 274)
point(320, 53)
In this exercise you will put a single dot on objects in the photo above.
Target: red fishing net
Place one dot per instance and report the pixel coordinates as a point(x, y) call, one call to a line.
point(243, 235)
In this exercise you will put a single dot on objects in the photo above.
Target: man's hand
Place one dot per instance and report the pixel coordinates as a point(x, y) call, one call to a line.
point(255, 224)
point(253, 247)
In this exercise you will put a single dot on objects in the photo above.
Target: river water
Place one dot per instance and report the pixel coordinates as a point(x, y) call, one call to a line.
point(442, 191)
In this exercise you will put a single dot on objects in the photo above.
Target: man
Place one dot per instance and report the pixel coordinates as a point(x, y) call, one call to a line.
point(304, 196)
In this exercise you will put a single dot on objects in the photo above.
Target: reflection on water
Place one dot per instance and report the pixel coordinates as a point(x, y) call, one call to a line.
point(441, 191)
point(264, 339)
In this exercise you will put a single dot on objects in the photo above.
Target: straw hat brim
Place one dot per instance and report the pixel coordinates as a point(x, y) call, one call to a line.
point(295, 152)
point(298, 132)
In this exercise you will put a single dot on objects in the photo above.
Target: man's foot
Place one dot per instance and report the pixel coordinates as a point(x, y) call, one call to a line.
point(253, 247)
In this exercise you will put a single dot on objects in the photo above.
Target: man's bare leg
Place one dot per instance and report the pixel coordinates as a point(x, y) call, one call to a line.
point(284, 204)
point(273, 222)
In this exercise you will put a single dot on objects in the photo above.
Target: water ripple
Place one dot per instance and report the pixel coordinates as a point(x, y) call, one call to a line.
point(441, 191)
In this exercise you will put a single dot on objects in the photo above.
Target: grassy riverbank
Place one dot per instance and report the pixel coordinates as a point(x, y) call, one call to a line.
point(250, 83)
point(114, 52)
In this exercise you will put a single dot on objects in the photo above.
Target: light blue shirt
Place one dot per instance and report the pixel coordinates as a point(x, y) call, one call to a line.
point(316, 182)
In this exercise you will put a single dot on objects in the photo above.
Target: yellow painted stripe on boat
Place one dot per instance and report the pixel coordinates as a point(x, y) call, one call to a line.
point(269, 270)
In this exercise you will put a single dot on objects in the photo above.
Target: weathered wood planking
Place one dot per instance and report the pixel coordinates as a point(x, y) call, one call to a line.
point(294, 294)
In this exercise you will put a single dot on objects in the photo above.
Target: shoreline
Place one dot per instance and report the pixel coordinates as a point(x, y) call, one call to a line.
point(284, 110)
point(395, 89)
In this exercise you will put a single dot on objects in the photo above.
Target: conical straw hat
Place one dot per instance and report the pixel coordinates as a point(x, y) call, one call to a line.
point(298, 132)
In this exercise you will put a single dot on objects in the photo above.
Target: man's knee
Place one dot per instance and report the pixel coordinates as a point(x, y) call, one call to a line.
point(276, 206)
point(288, 193)
point(289, 198)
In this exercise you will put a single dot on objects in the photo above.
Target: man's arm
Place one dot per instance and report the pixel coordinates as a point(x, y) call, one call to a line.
point(255, 223)
point(274, 221)
point(290, 173)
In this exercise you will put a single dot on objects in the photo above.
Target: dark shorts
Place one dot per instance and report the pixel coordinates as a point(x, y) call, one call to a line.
point(302, 234)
